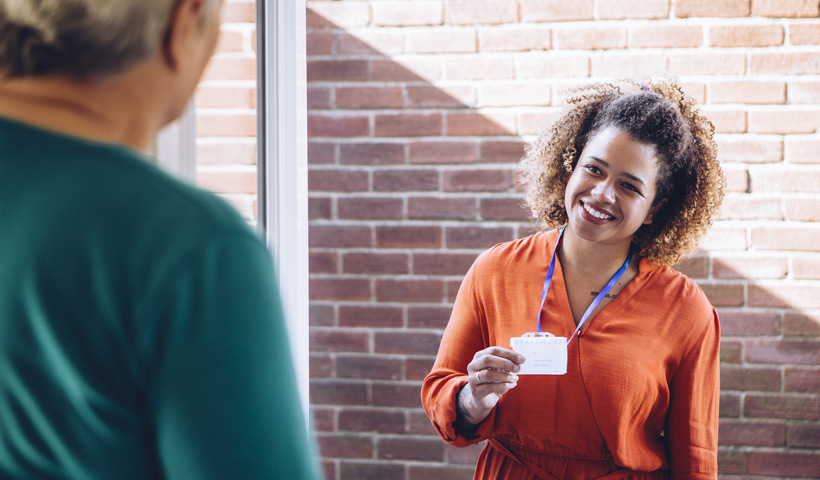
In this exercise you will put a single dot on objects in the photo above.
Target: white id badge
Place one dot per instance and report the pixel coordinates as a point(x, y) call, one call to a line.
point(546, 354)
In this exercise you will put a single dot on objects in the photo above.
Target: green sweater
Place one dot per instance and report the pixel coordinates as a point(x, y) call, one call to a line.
point(141, 333)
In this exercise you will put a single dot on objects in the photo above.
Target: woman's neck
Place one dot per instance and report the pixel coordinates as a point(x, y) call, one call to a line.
point(591, 259)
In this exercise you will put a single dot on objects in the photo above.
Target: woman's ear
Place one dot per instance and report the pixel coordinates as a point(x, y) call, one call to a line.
point(182, 32)
point(653, 210)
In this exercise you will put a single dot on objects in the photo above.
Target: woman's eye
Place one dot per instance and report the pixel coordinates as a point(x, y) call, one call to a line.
point(593, 169)
point(631, 187)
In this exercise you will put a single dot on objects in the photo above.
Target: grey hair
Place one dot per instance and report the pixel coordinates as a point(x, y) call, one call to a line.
point(82, 38)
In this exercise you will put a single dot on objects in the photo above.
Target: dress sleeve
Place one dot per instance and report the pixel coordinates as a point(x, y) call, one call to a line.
point(222, 389)
point(463, 337)
point(691, 431)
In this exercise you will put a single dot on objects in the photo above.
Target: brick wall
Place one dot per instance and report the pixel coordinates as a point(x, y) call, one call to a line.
point(417, 114)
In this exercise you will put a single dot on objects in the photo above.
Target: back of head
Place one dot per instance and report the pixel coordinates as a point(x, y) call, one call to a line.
point(80, 38)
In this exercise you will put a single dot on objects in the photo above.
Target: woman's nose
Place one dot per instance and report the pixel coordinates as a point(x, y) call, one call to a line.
point(604, 191)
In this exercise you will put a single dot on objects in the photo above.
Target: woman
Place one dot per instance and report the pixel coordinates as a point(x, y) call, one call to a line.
point(630, 172)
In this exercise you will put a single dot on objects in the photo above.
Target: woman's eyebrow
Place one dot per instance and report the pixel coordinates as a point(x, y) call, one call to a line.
point(626, 174)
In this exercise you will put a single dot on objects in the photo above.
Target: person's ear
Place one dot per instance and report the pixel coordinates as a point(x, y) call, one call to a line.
point(650, 217)
point(182, 32)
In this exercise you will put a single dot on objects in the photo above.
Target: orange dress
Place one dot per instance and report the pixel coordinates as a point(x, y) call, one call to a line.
point(640, 397)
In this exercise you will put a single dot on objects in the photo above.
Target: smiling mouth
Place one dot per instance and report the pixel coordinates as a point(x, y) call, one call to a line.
point(595, 213)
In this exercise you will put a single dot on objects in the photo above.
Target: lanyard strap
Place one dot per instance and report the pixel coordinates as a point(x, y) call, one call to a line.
point(594, 304)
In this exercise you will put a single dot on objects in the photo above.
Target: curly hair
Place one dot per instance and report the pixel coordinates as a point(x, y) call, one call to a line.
point(654, 112)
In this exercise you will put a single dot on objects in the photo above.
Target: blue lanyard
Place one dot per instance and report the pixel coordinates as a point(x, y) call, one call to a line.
point(594, 304)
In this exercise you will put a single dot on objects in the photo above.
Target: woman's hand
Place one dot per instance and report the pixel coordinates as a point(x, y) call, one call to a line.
point(490, 375)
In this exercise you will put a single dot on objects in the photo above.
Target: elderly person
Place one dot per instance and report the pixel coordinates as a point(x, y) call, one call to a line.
point(629, 388)
point(141, 333)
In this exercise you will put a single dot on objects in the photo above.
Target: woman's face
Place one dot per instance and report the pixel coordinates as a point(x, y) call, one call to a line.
point(611, 191)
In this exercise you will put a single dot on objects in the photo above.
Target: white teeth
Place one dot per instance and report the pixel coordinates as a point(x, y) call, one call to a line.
point(596, 213)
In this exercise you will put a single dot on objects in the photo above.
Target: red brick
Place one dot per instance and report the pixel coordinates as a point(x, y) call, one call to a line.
point(727, 121)
point(370, 208)
point(633, 9)
point(406, 342)
point(746, 36)
point(323, 418)
point(804, 34)
point(743, 323)
point(374, 263)
point(501, 151)
point(405, 180)
point(748, 92)
point(338, 340)
point(693, 266)
point(555, 10)
point(463, 456)
point(504, 209)
point(804, 436)
point(785, 8)
point(452, 287)
point(221, 151)
point(729, 405)
point(450, 96)
point(747, 266)
point(801, 324)
point(786, 239)
point(417, 368)
point(802, 210)
point(589, 38)
point(321, 315)
point(233, 67)
point(336, 70)
point(785, 63)
point(802, 149)
point(806, 267)
point(532, 123)
point(238, 12)
point(517, 39)
point(334, 180)
point(319, 97)
point(751, 207)
point(757, 434)
point(369, 367)
point(323, 262)
point(479, 67)
point(443, 152)
point(340, 445)
point(321, 153)
point(371, 420)
point(333, 392)
point(426, 291)
point(785, 296)
point(319, 43)
point(788, 406)
point(408, 124)
point(222, 124)
point(514, 94)
point(428, 317)
point(218, 96)
point(369, 42)
point(802, 380)
point(338, 14)
point(442, 263)
point(440, 472)
point(711, 8)
point(371, 154)
point(609, 64)
point(339, 289)
point(804, 92)
point(666, 36)
point(797, 351)
point(320, 366)
point(338, 125)
point(405, 70)
point(370, 470)
point(471, 12)
point(477, 180)
point(708, 64)
point(369, 97)
point(730, 461)
point(722, 238)
point(477, 237)
point(230, 180)
point(797, 180)
point(396, 395)
point(373, 316)
point(724, 295)
point(408, 237)
point(784, 121)
point(790, 464)
point(750, 149)
point(471, 123)
point(441, 40)
point(745, 379)
point(427, 449)
point(339, 236)
point(441, 208)
point(546, 65)
point(401, 14)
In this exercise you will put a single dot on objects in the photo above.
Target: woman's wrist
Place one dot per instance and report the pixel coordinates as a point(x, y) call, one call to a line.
point(466, 416)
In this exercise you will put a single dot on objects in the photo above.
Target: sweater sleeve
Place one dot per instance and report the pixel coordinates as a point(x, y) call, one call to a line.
point(223, 391)
point(464, 336)
point(691, 431)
